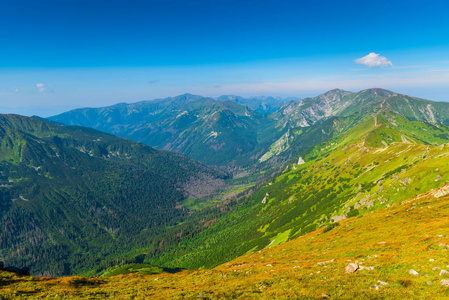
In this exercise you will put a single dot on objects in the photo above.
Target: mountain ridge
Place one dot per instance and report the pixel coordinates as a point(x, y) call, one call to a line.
point(177, 122)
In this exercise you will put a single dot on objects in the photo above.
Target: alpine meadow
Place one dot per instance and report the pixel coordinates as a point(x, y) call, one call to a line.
point(224, 150)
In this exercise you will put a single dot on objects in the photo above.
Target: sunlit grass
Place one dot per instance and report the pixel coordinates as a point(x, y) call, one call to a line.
point(387, 244)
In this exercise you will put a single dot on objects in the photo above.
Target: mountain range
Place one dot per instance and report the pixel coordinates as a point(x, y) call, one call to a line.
point(265, 177)
point(229, 133)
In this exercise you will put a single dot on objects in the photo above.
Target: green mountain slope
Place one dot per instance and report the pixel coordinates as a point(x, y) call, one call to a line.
point(343, 103)
point(385, 246)
point(262, 104)
point(72, 197)
point(217, 133)
point(382, 160)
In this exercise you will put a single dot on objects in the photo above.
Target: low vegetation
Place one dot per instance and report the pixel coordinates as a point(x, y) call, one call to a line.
point(386, 245)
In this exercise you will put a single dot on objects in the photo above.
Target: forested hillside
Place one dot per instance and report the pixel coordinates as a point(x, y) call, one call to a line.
point(396, 252)
point(72, 197)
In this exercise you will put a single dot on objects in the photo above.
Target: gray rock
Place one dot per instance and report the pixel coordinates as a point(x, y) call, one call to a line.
point(443, 272)
point(413, 272)
point(351, 268)
point(382, 282)
point(445, 282)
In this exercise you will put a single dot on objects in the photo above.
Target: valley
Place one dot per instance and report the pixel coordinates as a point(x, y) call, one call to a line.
point(281, 201)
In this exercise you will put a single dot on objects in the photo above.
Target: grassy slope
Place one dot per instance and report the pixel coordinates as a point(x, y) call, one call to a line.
point(388, 243)
point(342, 177)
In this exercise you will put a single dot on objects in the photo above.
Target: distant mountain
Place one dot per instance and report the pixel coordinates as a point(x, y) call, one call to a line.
point(343, 103)
point(214, 132)
point(260, 104)
point(238, 132)
point(336, 111)
point(72, 197)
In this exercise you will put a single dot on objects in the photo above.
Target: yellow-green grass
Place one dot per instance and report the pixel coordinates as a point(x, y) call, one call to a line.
point(388, 243)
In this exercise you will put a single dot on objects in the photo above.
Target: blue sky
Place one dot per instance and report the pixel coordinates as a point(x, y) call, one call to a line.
point(57, 55)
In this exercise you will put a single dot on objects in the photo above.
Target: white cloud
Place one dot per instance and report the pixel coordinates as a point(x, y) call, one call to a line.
point(16, 90)
point(43, 87)
point(373, 60)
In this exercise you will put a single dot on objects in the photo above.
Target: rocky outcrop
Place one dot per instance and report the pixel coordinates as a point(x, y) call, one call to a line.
point(351, 268)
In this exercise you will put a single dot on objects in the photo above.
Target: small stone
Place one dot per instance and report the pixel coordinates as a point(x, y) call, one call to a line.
point(442, 245)
point(431, 259)
point(413, 272)
point(375, 287)
point(351, 268)
point(443, 272)
point(382, 282)
point(435, 268)
point(429, 283)
point(445, 282)
point(323, 295)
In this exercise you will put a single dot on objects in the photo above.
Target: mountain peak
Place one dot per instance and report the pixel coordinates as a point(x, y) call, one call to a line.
point(334, 94)
point(337, 90)
point(378, 92)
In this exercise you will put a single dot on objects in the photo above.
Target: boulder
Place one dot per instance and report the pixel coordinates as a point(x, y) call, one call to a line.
point(413, 272)
point(351, 268)
point(382, 282)
point(445, 282)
